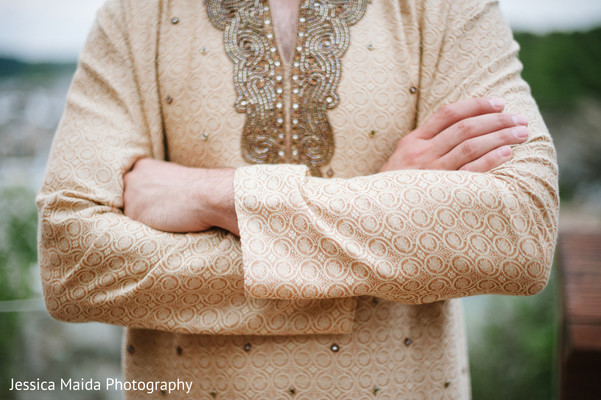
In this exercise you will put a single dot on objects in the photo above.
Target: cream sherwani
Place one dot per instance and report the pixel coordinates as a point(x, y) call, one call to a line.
point(344, 283)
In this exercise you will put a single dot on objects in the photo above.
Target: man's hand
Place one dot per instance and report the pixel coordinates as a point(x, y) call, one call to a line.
point(174, 198)
point(471, 135)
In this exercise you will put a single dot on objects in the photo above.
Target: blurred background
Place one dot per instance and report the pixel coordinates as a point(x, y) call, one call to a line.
point(512, 341)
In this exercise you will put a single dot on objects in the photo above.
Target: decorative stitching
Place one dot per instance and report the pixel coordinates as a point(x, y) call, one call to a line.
point(322, 39)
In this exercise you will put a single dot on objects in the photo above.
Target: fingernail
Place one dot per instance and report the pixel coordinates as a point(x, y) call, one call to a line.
point(520, 119)
point(521, 132)
point(505, 151)
point(497, 103)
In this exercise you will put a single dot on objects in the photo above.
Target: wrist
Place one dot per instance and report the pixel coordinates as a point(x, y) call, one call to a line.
point(214, 191)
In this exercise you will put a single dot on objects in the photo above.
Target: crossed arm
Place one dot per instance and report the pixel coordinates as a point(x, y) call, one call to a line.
point(471, 135)
point(429, 235)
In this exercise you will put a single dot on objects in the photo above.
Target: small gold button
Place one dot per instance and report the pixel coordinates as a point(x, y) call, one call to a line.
point(413, 89)
point(174, 20)
point(213, 393)
point(372, 134)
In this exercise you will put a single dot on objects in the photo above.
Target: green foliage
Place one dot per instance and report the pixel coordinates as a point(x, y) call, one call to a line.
point(10, 67)
point(563, 70)
point(514, 357)
point(18, 246)
point(562, 67)
point(18, 224)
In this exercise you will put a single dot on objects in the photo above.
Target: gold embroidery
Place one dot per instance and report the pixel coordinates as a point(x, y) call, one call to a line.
point(323, 38)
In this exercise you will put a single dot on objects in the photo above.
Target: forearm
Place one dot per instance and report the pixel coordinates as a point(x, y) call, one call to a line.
point(115, 270)
point(408, 236)
point(174, 198)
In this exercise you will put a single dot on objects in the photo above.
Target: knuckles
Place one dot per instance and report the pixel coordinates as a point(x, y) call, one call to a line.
point(504, 119)
point(448, 112)
point(466, 128)
point(469, 149)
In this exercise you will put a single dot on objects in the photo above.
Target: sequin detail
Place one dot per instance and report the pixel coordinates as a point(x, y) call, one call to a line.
point(249, 39)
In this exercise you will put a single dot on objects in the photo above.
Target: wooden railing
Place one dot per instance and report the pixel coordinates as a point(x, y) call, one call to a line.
point(580, 343)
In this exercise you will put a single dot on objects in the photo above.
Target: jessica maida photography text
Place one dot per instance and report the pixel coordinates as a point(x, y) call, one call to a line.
point(88, 385)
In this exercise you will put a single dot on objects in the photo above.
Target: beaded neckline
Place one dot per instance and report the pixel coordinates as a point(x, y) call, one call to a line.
point(286, 109)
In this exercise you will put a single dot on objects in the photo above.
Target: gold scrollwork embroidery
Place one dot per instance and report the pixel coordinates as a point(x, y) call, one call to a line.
point(323, 38)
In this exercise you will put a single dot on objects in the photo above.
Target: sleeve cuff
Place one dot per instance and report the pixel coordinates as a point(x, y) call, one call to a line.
point(264, 196)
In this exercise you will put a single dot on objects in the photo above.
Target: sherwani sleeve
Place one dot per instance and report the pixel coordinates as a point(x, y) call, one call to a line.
point(99, 265)
point(415, 236)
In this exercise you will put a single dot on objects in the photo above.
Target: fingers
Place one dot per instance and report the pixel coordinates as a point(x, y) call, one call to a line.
point(450, 114)
point(472, 150)
point(490, 160)
point(472, 134)
point(473, 127)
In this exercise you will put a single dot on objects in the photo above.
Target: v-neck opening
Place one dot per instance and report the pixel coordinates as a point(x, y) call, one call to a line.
point(277, 34)
point(287, 100)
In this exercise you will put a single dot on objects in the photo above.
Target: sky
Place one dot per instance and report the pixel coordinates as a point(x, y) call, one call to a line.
point(55, 30)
